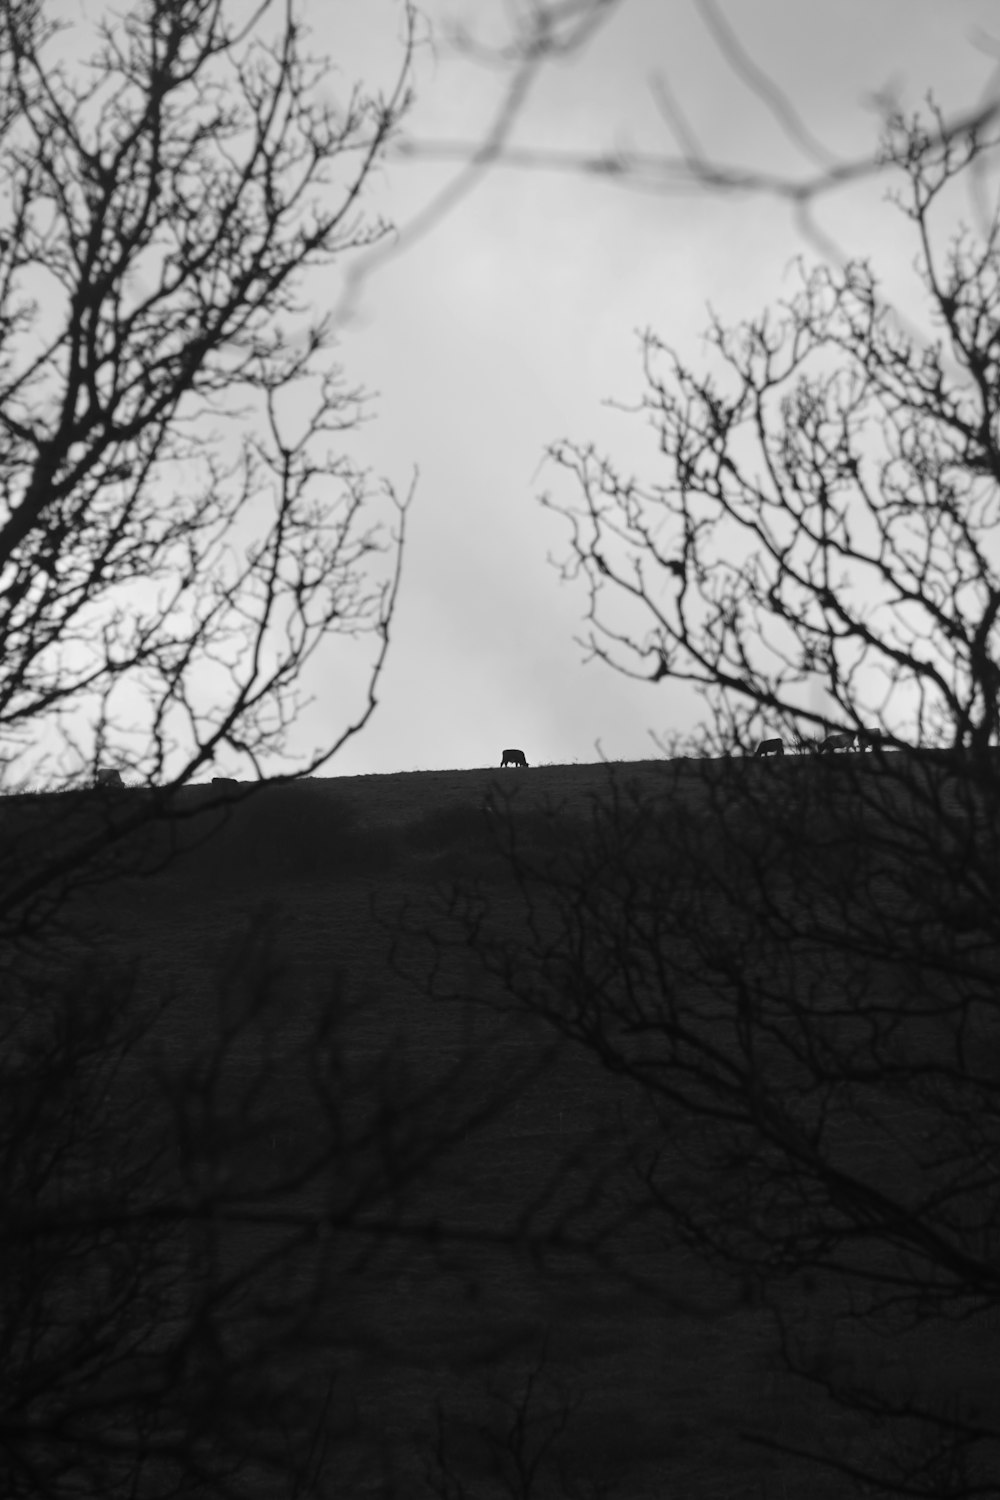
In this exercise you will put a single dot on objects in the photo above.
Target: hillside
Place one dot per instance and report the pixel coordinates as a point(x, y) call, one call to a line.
point(318, 920)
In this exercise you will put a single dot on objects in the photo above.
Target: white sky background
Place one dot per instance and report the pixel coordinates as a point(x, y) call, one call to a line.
point(508, 325)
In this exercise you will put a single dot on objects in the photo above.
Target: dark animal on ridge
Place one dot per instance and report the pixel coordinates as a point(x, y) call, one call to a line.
point(769, 747)
point(513, 758)
point(840, 740)
point(109, 778)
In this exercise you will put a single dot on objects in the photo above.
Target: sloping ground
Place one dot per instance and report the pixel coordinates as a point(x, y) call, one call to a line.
point(655, 1383)
point(655, 1387)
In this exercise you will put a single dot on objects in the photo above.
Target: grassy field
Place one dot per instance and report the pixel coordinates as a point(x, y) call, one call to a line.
point(639, 1372)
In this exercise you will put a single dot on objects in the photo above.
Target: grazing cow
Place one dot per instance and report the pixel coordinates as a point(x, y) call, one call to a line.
point(109, 778)
point(769, 747)
point(224, 781)
point(513, 758)
point(842, 739)
point(870, 739)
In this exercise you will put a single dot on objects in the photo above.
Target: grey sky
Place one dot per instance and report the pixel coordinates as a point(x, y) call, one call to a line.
point(507, 326)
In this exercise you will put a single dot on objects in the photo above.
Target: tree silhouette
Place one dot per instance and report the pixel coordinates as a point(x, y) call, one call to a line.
point(178, 535)
point(179, 540)
point(792, 962)
point(823, 522)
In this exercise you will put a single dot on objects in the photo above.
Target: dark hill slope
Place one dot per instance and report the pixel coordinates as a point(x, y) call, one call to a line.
point(342, 827)
point(336, 827)
point(323, 908)
point(398, 825)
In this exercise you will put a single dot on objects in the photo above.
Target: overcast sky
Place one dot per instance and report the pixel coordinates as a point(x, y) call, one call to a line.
point(506, 327)
point(509, 324)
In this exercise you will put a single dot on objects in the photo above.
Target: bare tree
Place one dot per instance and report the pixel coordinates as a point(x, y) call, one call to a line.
point(818, 550)
point(179, 539)
point(179, 536)
point(793, 962)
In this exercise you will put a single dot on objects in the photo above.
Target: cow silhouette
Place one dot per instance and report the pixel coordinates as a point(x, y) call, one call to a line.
point(769, 747)
point(109, 778)
point(842, 739)
point(513, 758)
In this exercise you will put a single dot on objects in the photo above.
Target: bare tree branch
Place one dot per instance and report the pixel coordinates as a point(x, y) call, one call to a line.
point(178, 535)
point(827, 507)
